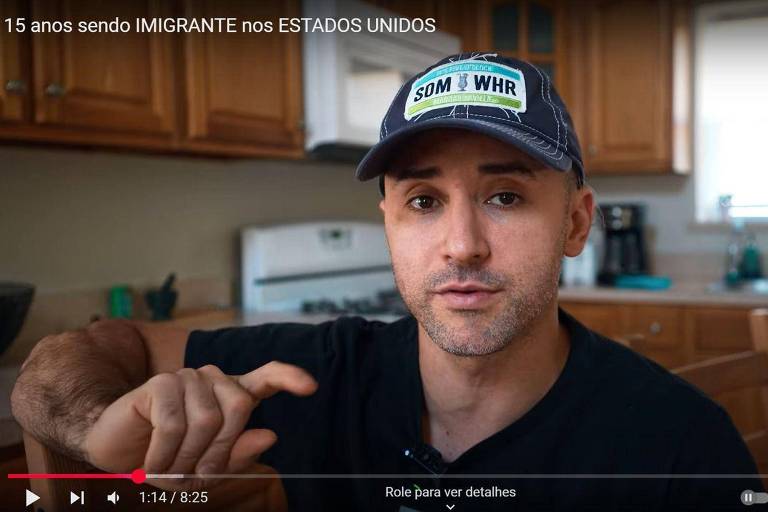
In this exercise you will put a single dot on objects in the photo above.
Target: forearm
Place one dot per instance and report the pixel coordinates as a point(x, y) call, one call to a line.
point(70, 378)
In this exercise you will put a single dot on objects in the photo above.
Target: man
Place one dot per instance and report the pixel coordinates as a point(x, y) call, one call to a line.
point(483, 194)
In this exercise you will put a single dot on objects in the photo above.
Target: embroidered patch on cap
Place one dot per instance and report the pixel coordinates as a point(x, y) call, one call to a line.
point(467, 82)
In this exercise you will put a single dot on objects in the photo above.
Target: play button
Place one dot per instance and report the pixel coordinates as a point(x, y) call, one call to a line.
point(31, 498)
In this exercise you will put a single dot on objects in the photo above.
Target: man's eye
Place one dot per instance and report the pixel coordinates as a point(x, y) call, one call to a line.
point(504, 199)
point(422, 203)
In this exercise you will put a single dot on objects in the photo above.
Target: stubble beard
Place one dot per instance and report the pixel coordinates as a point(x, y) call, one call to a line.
point(526, 296)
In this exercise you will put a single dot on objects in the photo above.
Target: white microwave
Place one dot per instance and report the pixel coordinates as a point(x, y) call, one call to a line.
point(350, 77)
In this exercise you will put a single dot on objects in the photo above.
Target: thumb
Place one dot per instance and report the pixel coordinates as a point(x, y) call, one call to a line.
point(248, 447)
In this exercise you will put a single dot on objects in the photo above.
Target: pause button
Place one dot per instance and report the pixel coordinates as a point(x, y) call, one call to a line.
point(749, 497)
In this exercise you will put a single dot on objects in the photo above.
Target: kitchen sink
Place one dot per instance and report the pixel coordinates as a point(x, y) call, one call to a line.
point(758, 286)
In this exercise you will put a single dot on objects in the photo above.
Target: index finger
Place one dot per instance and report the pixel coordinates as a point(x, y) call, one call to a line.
point(274, 377)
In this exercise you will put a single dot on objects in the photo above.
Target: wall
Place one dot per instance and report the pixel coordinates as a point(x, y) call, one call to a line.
point(81, 219)
point(76, 222)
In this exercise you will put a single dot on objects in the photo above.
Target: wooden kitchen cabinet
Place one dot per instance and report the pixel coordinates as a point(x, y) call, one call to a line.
point(673, 335)
point(411, 8)
point(630, 84)
point(232, 94)
point(241, 94)
point(243, 91)
point(109, 87)
point(531, 30)
point(14, 67)
point(450, 15)
point(605, 319)
point(659, 333)
point(718, 331)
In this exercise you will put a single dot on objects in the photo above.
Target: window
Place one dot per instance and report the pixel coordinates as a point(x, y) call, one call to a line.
point(731, 109)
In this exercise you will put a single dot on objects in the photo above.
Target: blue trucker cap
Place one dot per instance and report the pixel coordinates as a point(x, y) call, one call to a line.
point(505, 98)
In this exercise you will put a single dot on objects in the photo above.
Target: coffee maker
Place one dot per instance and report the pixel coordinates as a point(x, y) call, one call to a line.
point(624, 243)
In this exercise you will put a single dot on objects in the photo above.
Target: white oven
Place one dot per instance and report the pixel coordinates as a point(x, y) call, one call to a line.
point(319, 268)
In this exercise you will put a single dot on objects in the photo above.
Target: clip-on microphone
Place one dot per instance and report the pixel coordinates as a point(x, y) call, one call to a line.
point(428, 458)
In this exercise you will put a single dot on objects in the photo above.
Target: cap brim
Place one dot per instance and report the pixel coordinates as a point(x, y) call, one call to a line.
point(375, 161)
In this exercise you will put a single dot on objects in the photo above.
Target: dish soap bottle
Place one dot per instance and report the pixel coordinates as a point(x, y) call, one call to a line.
point(732, 276)
point(750, 266)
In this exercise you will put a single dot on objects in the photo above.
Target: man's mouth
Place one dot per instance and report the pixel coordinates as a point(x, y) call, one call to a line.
point(466, 295)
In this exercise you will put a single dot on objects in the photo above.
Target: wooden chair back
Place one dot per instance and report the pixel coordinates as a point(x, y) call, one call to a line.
point(758, 326)
point(744, 374)
point(259, 494)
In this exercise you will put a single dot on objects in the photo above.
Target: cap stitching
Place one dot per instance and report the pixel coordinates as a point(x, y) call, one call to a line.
point(478, 55)
point(542, 134)
point(556, 155)
point(549, 102)
point(527, 137)
point(386, 116)
point(535, 140)
point(483, 56)
point(529, 140)
point(560, 112)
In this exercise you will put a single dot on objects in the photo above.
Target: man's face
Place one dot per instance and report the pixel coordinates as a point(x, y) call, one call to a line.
point(476, 231)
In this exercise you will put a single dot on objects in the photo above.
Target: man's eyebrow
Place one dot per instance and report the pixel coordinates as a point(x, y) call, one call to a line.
point(415, 174)
point(513, 167)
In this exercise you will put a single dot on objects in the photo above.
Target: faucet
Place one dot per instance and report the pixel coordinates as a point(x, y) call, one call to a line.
point(742, 255)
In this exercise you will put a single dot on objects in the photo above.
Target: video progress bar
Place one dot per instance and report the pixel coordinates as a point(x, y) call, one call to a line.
point(151, 476)
point(139, 476)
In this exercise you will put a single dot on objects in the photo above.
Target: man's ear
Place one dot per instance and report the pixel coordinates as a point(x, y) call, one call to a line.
point(383, 194)
point(582, 209)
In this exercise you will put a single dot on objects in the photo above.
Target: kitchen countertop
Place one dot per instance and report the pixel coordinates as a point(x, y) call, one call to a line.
point(683, 293)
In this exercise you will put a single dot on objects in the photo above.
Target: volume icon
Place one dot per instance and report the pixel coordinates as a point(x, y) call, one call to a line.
point(113, 498)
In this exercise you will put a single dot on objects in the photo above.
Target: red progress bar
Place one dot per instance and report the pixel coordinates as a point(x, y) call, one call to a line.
point(138, 476)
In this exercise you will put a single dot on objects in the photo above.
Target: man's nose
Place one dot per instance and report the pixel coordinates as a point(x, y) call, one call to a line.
point(465, 242)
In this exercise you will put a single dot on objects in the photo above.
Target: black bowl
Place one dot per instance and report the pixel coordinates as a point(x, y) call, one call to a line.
point(15, 299)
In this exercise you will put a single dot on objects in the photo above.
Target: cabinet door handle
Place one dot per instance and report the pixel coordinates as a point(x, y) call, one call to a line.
point(592, 149)
point(16, 86)
point(655, 328)
point(55, 90)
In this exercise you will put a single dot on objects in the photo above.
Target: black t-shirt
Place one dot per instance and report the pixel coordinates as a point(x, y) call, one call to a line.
point(610, 413)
